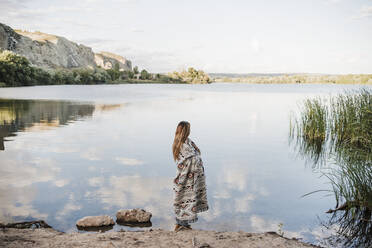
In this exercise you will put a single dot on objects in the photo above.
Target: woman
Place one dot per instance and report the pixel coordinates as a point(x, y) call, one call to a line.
point(189, 184)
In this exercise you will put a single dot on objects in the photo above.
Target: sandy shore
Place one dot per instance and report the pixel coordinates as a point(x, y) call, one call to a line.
point(48, 237)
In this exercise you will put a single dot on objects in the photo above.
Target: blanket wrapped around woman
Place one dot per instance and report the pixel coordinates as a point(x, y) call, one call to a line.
point(189, 184)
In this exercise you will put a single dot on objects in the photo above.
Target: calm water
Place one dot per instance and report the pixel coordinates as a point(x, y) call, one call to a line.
point(71, 151)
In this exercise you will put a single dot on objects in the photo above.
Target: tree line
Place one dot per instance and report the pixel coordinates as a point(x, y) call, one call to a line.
point(16, 70)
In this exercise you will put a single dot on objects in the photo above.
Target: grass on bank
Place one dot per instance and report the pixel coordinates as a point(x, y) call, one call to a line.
point(300, 79)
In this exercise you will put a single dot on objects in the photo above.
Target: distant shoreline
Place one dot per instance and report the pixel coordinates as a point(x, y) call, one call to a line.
point(298, 79)
point(184, 83)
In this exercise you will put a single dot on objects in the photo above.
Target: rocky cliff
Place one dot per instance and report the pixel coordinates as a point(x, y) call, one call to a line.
point(51, 51)
point(108, 60)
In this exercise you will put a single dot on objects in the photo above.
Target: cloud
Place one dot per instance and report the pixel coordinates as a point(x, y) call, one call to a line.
point(153, 194)
point(96, 181)
point(129, 161)
point(17, 10)
point(242, 204)
point(255, 46)
point(61, 183)
point(18, 202)
point(17, 192)
point(329, 2)
point(236, 190)
point(134, 190)
point(157, 60)
point(259, 224)
point(67, 209)
point(20, 174)
point(93, 41)
point(137, 30)
point(365, 12)
point(8, 5)
point(92, 154)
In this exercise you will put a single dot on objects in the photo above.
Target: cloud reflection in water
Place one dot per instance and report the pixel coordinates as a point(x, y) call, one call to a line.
point(120, 157)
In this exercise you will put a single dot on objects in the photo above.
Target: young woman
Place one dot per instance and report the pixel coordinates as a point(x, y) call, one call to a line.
point(189, 184)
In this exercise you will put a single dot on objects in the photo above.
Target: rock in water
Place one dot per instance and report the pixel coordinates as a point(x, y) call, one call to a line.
point(133, 216)
point(95, 221)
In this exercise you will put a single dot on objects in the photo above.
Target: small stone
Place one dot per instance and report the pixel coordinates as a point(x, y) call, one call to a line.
point(95, 221)
point(133, 215)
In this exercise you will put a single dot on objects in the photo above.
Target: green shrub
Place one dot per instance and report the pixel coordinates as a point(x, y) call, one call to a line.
point(145, 74)
point(191, 76)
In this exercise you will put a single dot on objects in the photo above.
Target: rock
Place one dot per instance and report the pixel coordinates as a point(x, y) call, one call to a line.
point(133, 216)
point(53, 52)
point(27, 224)
point(95, 221)
point(108, 60)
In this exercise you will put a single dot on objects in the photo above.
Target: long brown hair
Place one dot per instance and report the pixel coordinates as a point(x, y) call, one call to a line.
point(182, 132)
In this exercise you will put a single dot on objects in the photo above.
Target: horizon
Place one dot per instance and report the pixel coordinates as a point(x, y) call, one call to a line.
point(291, 37)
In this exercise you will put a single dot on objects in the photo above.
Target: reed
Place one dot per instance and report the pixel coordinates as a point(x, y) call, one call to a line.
point(309, 130)
point(340, 126)
point(337, 132)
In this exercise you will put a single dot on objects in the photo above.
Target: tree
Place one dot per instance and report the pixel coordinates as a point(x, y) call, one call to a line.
point(192, 76)
point(145, 74)
point(135, 70)
point(117, 66)
point(130, 74)
point(115, 75)
point(15, 70)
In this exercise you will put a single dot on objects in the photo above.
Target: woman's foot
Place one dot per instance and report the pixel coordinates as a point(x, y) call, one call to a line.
point(188, 227)
point(180, 228)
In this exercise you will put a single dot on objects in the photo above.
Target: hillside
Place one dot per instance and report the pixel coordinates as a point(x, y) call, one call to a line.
point(52, 52)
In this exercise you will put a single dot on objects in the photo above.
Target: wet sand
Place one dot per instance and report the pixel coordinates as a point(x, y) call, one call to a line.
point(48, 237)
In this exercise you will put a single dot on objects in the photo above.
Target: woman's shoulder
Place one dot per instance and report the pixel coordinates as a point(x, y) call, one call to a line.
point(188, 143)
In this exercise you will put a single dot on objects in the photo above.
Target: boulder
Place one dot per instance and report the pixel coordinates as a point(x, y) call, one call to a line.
point(133, 216)
point(95, 221)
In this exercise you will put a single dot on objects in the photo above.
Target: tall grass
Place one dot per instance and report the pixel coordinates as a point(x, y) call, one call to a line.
point(339, 131)
point(351, 126)
point(310, 130)
point(340, 126)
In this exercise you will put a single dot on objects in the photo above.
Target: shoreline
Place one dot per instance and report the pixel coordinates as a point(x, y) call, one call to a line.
point(49, 237)
point(185, 83)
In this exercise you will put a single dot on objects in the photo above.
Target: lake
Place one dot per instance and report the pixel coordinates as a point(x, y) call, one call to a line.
point(71, 151)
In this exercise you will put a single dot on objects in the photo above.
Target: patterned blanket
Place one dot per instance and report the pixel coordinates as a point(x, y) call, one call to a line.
point(189, 185)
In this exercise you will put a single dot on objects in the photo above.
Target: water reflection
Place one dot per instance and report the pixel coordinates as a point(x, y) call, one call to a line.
point(25, 165)
point(95, 229)
point(17, 191)
point(31, 115)
point(120, 157)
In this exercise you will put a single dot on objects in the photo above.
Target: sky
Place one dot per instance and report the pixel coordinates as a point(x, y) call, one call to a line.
point(236, 36)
